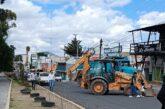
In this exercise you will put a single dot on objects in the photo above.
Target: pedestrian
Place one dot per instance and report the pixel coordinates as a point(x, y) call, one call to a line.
point(33, 79)
point(161, 94)
point(134, 90)
point(51, 81)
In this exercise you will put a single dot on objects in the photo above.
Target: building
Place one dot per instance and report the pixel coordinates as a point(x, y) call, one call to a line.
point(20, 64)
point(22, 58)
point(152, 50)
point(45, 61)
point(131, 58)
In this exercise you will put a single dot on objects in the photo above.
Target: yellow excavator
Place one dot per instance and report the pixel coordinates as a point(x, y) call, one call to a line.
point(100, 77)
point(85, 61)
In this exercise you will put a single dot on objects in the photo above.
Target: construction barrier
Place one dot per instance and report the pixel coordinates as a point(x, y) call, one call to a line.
point(60, 102)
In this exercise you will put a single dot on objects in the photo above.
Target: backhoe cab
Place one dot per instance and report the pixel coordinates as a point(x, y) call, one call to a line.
point(101, 73)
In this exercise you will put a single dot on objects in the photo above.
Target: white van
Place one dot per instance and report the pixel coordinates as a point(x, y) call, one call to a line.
point(43, 77)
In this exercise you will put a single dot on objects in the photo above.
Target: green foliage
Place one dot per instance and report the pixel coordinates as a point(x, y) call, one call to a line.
point(6, 51)
point(5, 17)
point(21, 67)
point(157, 74)
point(71, 48)
point(2, 1)
point(6, 56)
point(27, 48)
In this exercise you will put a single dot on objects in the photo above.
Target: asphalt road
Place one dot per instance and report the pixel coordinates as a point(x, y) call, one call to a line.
point(72, 91)
point(4, 87)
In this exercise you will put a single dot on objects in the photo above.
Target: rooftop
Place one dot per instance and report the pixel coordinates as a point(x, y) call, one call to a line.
point(154, 28)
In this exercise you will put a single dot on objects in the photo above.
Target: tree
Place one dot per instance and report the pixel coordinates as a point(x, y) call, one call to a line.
point(6, 56)
point(6, 51)
point(27, 49)
point(2, 1)
point(73, 48)
point(21, 68)
point(5, 17)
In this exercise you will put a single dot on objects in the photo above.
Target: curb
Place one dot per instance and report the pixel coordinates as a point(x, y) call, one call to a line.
point(8, 97)
point(77, 105)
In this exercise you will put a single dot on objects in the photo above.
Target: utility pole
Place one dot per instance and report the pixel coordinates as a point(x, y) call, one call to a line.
point(120, 48)
point(51, 65)
point(77, 44)
point(101, 43)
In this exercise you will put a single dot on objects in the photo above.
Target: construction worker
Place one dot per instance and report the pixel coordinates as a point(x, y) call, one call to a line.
point(142, 89)
point(134, 90)
point(161, 94)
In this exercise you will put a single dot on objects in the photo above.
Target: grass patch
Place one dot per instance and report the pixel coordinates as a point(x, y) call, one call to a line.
point(21, 82)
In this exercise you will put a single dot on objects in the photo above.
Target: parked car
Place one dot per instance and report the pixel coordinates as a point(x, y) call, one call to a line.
point(58, 76)
point(43, 77)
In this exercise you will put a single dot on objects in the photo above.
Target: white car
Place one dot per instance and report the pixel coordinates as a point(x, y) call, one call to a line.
point(58, 77)
point(43, 77)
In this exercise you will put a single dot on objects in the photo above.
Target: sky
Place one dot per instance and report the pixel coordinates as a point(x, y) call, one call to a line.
point(48, 25)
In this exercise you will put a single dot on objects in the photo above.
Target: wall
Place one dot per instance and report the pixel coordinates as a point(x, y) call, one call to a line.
point(60, 102)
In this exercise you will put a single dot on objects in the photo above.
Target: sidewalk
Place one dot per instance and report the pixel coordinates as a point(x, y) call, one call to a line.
point(4, 91)
point(20, 101)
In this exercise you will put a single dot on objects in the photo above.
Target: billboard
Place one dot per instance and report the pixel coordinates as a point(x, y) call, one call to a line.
point(115, 51)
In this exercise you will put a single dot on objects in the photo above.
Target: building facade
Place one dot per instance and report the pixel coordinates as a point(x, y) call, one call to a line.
point(45, 61)
point(152, 51)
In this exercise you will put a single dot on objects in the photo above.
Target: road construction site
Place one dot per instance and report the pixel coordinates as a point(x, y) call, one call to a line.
point(112, 100)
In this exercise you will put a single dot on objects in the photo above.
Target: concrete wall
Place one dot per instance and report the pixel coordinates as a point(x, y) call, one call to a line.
point(60, 102)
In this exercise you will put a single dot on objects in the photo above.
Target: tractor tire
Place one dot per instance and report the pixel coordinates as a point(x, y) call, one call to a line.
point(98, 87)
point(127, 90)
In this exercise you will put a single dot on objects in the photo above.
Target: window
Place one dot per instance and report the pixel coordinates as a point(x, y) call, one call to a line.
point(108, 67)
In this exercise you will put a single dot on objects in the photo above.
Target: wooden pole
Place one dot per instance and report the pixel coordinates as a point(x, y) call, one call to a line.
point(149, 38)
point(135, 53)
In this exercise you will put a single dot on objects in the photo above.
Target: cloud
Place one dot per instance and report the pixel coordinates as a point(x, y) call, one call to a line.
point(106, 3)
point(92, 22)
point(151, 18)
